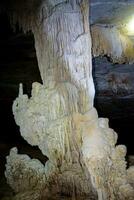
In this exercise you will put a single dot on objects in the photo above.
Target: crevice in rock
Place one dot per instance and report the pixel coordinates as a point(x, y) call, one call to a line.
point(33, 152)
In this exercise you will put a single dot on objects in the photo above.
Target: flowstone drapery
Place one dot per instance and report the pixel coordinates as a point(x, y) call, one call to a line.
point(59, 117)
point(112, 41)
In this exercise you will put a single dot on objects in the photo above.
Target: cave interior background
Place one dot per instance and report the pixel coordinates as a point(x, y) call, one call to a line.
point(113, 82)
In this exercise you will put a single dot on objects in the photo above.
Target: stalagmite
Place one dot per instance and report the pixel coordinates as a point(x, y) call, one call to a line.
point(83, 159)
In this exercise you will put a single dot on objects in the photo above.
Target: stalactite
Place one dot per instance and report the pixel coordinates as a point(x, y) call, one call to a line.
point(111, 41)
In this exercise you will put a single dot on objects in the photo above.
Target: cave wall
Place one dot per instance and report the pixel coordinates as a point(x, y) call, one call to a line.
point(114, 82)
point(104, 11)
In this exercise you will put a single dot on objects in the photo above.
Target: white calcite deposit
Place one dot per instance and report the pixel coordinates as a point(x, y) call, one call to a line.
point(81, 149)
point(59, 117)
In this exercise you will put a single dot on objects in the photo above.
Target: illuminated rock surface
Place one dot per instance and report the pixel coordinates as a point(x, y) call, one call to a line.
point(111, 41)
point(59, 118)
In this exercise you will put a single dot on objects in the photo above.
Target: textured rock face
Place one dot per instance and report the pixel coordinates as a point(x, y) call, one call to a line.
point(60, 119)
point(67, 141)
point(102, 10)
point(26, 175)
point(110, 33)
point(111, 41)
point(58, 134)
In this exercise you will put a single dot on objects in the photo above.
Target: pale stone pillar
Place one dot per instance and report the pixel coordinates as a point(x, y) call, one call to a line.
point(60, 118)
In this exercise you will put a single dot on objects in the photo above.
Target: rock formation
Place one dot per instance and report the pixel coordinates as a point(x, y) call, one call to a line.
point(59, 117)
point(112, 41)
